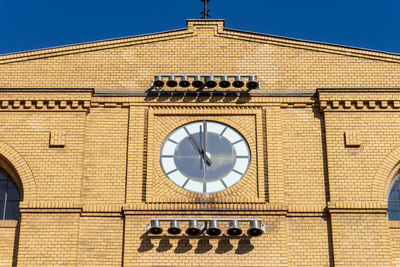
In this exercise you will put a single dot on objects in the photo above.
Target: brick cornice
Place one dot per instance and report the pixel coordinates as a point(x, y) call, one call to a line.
point(44, 105)
point(359, 99)
point(360, 105)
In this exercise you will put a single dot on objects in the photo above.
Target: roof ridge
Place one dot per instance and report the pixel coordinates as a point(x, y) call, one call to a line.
point(190, 30)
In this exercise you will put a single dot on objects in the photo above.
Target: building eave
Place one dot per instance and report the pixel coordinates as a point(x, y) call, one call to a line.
point(191, 30)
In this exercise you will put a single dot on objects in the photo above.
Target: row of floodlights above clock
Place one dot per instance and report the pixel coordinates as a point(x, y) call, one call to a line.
point(201, 81)
point(210, 226)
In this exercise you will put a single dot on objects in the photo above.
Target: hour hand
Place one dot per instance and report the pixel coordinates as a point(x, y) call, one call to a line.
point(199, 149)
point(207, 159)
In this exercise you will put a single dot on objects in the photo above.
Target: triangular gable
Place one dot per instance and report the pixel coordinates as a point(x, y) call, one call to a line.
point(205, 46)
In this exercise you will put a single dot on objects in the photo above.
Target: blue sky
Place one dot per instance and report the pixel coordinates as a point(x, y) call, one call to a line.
point(34, 24)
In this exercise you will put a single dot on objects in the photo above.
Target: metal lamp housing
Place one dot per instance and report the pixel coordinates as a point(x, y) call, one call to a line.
point(198, 82)
point(174, 228)
point(158, 81)
point(252, 83)
point(184, 82)
point(193, 228)
point(155, 228)
point(238, 83)
point(224, 82)
point(213, 229)
point(171, 81)
point(234, 229)
point(255, 228)
point(210, 82)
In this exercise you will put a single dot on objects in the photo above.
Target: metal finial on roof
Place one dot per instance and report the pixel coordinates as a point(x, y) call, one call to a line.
point(205, 12)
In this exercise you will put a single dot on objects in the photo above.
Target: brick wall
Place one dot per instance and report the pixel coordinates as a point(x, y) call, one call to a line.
point(87, 161)
point(8, 242)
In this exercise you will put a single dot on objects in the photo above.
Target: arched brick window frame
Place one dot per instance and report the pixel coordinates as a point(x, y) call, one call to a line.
point(13, 163)
point(387, 171)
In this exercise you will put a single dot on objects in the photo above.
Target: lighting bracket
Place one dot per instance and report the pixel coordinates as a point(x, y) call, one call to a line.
point(203, 226)
point(251, 78)
point(206, 75)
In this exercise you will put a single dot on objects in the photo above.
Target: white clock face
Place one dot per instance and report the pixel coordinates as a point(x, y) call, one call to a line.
point(205, 156)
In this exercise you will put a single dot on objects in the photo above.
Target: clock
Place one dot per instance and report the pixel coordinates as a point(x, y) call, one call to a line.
point(205, 156)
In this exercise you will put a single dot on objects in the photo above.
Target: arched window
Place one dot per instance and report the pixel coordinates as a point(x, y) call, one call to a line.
point(9, 197)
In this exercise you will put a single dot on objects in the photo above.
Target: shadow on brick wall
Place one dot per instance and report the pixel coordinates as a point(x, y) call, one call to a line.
point(16, 244)
point(198, 97)
point(203, 244)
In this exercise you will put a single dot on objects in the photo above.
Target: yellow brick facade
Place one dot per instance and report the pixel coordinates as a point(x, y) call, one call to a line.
point(81, 137)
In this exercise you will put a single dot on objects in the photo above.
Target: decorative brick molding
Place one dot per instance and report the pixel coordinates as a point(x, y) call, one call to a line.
point(206, 207)
point(357, 207)
point(306, 210)
point(117, 210)
point(364, 105)
point(44, 105)
point(25, 174)
point(181, 208)
point(50, 205)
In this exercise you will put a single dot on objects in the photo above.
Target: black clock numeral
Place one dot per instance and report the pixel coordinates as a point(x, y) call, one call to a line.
point(224, 183)
point(238, 172)
point(237, 142)
point(168, 173)
point(223, 131)
point(184, 184)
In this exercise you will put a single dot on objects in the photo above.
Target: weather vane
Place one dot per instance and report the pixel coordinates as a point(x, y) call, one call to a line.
point(205, 12)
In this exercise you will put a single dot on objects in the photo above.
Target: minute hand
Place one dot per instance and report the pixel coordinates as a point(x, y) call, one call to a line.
point(201, 151)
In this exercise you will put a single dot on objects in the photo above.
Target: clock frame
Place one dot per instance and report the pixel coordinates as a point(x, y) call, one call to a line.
point(160, 121)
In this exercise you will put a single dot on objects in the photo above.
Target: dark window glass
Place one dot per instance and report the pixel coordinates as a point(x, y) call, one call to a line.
point(1, 209)
point(3, 190)
point(12, 192)
point(394, 202)
point(190, 163)
point(9, 197)
point(3, 175)
point(12, 210)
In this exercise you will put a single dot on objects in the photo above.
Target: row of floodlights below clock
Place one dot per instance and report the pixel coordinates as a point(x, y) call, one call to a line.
point(211, 229)
point(202, 81)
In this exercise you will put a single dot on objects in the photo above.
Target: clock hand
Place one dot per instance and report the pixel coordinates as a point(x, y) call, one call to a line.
point(205, 143)
point(201, 151)
point(198, 147)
